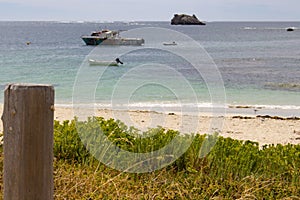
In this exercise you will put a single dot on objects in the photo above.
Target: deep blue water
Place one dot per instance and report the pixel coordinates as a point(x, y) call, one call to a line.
point(259, 63)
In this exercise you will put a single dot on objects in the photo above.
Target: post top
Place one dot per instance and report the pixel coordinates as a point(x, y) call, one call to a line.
point(14, 86)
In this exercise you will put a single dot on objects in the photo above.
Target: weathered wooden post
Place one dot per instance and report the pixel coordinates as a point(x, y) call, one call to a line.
point(28, 142)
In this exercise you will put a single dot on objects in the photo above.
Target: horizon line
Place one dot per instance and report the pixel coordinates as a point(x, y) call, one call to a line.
point(128, 21)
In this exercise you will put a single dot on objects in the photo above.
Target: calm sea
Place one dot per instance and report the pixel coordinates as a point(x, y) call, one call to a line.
point(258, 62)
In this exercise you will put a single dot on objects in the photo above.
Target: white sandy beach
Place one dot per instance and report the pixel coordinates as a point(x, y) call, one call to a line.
point(262, 130)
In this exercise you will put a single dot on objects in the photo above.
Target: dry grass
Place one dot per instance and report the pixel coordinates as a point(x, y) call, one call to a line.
point(232, 170)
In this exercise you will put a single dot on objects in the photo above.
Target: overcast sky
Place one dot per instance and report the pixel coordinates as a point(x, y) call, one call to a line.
point(148, 10)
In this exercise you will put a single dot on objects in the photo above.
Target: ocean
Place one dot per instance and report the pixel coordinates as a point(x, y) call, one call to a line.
point(232, 65)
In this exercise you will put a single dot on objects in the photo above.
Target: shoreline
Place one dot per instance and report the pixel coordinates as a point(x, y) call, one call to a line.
point(265, 129)
point(191, 109)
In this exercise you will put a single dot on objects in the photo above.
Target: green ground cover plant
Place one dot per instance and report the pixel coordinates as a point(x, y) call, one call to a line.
point(232, 169)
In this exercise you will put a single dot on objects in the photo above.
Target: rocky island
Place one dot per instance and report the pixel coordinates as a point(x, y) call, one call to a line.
point(183, 19)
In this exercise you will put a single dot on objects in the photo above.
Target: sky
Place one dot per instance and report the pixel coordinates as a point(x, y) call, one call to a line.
point(148, 10)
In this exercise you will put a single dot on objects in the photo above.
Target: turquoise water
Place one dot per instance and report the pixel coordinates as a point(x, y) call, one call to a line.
point(259, 64)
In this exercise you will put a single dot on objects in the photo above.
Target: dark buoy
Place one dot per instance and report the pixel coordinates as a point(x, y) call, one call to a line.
point(290, 29)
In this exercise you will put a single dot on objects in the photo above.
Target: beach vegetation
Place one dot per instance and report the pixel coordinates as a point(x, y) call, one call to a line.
point(211, 167)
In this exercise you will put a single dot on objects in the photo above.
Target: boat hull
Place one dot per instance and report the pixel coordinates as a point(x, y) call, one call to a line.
point(124, 41)
point(170, 44)
point(90, 40)
point(102, 63)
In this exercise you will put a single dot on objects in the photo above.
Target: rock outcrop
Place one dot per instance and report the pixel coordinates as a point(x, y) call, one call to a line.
point(184, 19)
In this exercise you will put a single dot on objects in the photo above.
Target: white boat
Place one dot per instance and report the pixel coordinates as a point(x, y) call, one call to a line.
point(103, 63)
point(169, 43)
point(108, 37)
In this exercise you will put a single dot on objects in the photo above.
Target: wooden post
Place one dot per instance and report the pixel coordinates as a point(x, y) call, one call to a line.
point(28, 142)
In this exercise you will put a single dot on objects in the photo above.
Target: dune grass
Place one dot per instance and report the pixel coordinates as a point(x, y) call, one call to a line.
point(231, 170)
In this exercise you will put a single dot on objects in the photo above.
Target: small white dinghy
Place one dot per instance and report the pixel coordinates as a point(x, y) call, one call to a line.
point(103, 63)
point(170, 43)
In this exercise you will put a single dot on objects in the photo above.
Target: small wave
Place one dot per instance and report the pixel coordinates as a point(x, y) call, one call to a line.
point(143, 105)
point(175, 105)
point(249, 28)
point(72, 22)
point(167, 105)
point(137, 23)
point(268, 28)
